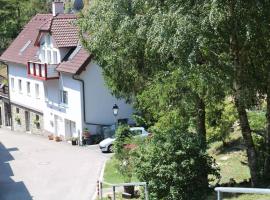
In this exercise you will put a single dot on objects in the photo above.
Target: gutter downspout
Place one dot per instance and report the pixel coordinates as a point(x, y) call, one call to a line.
point(75, 77)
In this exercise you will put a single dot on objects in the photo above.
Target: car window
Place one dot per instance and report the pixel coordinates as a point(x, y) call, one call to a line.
point(136, 132)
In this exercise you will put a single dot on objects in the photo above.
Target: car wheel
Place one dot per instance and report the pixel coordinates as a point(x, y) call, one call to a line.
point(110, 148)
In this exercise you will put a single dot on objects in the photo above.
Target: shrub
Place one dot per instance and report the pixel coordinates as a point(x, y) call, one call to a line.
point(220, 120)
point(122, 154)
point(174, 166)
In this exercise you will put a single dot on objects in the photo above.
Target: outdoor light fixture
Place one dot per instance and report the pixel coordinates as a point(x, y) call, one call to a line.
point(115, 110)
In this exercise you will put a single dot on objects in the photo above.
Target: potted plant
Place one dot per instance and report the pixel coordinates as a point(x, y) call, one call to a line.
point(57, 139)
point(86, 136)
point(50, 137)
point(74, 141)
point(18, 120)
point(86, 133)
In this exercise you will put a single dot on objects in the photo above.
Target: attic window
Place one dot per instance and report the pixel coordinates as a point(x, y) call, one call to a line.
point(25, 47)
point(74, 53)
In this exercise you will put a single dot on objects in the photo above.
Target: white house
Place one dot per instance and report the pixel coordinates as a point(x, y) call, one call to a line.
point(55, 85)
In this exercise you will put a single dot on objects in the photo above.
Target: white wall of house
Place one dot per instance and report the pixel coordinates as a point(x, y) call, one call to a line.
point(63, 119)
point(99, 101)
point(33, 99)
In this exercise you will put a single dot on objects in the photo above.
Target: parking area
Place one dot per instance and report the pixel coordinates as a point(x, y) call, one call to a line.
point(32, 167)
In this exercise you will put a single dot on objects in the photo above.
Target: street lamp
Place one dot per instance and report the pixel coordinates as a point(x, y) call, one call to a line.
point(115, 113)
point(115, 110)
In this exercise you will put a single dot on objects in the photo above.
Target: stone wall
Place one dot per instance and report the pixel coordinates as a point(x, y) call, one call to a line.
point(19, 120)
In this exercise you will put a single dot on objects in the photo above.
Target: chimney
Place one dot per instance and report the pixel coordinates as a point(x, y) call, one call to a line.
point(57, 7)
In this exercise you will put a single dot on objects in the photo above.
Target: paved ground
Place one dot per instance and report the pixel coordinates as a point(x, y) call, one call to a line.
point(32, 167)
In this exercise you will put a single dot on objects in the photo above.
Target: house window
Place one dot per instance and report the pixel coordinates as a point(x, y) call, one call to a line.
point(37, 90)
point(55, 60)
point(28, 86)
point(42, 55)
point(20, 85)
point(17, 110)
point(37, 117)
point(49, 56)
point(48, 40)
point(12, 84)
point(64, 97)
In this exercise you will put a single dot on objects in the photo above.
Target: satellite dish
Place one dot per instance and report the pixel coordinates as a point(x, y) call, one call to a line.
point(78, 5)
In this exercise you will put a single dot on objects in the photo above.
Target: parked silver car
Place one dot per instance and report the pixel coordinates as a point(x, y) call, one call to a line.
point(106, 145)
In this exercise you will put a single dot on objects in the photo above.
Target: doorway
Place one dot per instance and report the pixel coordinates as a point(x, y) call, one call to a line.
point(70, 129)
point(27, 121)
point(59, 129)
point(7, 111)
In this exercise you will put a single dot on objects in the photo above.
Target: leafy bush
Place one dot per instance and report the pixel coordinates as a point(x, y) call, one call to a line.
point(257, 120)
point(174, 165)
point(220, 120)
point(122, 154)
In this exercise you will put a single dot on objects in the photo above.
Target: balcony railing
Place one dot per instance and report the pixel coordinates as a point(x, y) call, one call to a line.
point(42, 71)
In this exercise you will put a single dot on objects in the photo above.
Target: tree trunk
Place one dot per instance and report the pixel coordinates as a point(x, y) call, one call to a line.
point(239, 62)
point(201, 131)
point(246, 132)
point(267, 135)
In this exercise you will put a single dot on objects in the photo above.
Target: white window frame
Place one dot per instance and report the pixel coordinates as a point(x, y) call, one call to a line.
point(20, 85)
point(64, 98)
point(28, 88)
point(37, 90)
point(12, 83)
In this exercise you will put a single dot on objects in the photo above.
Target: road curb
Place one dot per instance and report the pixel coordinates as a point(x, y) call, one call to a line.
point(101, 174)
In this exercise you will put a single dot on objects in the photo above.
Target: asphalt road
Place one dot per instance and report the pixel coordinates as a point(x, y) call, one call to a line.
point(32, 167)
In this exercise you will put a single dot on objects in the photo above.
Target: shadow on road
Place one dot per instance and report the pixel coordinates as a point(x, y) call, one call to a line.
point(9, 189)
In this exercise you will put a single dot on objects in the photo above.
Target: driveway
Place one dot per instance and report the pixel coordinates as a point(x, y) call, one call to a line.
point(32, 167)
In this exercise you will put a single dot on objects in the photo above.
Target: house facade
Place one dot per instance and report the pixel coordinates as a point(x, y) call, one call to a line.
point(55, 85)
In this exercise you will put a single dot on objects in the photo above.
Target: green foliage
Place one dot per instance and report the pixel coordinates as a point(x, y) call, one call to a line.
point(220, 120)
point(257, 120)
point(122, 154)
point(14, 14)
point(174, 165)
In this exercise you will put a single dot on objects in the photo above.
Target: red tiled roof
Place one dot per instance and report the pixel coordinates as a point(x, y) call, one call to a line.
point(29, 33)
point(64, 31)
point(78, 62)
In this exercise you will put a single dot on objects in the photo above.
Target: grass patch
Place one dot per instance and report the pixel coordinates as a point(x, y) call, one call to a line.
point(232, 159)
point(111, 174)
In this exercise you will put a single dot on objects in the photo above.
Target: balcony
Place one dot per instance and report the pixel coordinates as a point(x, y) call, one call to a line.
point(42, 71)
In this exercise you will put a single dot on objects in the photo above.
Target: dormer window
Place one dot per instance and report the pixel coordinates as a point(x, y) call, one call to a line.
point(48, 40)
point(47, 53)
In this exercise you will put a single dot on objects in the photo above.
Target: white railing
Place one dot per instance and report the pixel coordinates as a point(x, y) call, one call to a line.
point(221, 190)
point(101, 183)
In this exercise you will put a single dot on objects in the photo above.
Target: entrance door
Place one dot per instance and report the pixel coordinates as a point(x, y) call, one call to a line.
point(59, 129)
point(70, 129)
point(7, 111)
point(27, 121)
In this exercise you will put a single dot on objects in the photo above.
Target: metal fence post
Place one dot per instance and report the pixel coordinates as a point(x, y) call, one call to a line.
point(114, 193)
point(219, 195)
point(100, 190)
point(146, 191)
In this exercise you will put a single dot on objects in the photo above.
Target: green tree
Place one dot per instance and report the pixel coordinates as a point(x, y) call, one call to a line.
point(173, 163)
